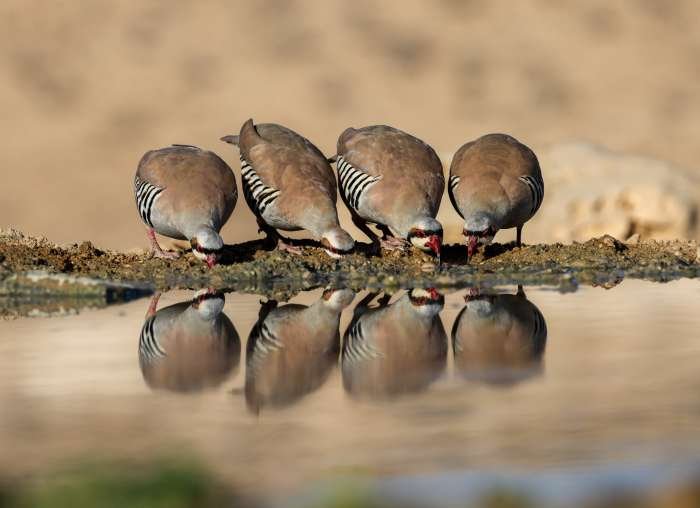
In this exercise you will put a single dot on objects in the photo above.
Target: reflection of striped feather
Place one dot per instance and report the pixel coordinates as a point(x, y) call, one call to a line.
point(540, 328)
point(356, 347)
point(264, 342)
point(146, 196)
point(536, 186)
point(149, 348)
point(353, 182)
point(258, 195)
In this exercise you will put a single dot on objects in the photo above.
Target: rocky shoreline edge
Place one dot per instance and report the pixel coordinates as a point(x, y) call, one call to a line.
point(32, 267)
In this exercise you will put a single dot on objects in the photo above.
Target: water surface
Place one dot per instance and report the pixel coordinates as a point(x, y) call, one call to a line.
point(277, 396)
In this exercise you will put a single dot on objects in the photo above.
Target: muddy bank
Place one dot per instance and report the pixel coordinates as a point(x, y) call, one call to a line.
point(252, 267)
point(43, 294)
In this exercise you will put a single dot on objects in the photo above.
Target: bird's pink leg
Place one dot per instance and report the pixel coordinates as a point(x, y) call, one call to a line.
point(154, 305)
point(156, 251)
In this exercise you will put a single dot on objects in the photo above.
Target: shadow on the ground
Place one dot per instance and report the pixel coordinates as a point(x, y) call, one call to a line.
point(454, 254)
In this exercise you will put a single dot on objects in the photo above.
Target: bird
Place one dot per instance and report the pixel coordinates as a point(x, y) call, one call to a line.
point(289, 185)
point(186, 193)
point(396, 348)
point(495, 183)
point(292, 349)
point(395, 181)
point(188, 346)
point(499, 338)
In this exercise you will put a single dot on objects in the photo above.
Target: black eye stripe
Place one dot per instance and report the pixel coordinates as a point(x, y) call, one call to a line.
point(423, 234)
point(488, 231)
point(207, 251)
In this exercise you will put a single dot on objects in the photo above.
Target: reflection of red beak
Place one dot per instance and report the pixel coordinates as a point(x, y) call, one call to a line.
point(472, 242)
point(435, 244)
point(211, 260)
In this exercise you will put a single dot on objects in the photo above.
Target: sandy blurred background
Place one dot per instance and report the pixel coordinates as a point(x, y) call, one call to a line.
point(87, 87)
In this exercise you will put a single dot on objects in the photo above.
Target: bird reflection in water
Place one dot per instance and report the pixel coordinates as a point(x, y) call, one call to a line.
point(188, 346)
point(394, 349)
point(292, 349)
point(499, 339)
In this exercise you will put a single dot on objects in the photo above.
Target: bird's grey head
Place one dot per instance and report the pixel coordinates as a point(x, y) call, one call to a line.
point(427, 302)
point(479, 229)
point(208, 303)
point(207, 245)
point(337, 242)
point(426, 234)
point(338, 299)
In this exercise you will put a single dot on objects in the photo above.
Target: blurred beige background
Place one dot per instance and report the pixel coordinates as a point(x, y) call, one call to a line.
point(87, 87)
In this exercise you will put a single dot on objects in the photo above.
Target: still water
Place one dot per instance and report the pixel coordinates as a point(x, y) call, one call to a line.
point(420, 386)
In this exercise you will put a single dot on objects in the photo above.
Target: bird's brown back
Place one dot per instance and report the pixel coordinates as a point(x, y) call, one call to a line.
point(196, 180)
point(411, 171)
point(290, 163)
point(495, 155)
point(489, 172)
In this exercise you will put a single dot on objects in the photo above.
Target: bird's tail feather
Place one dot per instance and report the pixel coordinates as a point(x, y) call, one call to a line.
point(232, 139)
point(249, 136)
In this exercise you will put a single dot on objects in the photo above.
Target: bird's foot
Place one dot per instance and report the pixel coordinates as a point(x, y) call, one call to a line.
point(288, 247)
point(472, 294)
point(393, 243)
point(164, 254)
point(156, 251)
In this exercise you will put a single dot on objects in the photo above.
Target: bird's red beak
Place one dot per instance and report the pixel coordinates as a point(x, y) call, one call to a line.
point(211, 260)
point(435, 245)
point(434, 295)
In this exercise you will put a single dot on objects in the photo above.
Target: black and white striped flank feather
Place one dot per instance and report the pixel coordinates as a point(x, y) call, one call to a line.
point(146, 196)
point(149, 348)
point(258, 195)
point(536, 186)
point(453, 183)
point(353, 182)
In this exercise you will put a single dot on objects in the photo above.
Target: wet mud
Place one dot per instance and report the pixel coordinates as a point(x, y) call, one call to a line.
point(253, 267)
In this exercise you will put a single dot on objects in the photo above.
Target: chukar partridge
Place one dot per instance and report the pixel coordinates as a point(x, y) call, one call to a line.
point(396, 348)
point(292, 349)
point(495, 183)
point(499, 339)
point(289, 185)
point(186, 193)
point(190, 345)
point(395, 181)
